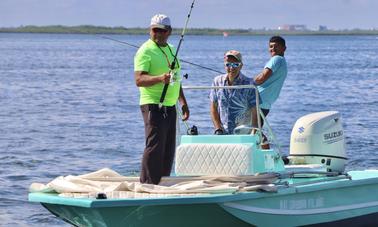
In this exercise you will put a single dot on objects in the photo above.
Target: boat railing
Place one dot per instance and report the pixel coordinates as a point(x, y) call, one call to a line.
point(258, 110)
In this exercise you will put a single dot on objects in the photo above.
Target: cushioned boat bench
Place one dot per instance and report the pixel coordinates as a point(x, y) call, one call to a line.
point(222, 155)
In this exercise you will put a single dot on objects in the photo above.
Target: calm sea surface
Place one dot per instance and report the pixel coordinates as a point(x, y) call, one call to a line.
point(69, 105)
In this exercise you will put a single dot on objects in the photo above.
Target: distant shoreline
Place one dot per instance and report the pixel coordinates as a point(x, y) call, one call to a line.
point(90, 29)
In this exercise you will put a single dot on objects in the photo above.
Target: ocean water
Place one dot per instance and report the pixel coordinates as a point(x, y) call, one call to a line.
point(69, 104)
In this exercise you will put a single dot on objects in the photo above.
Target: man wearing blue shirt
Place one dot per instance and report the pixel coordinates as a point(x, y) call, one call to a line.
point(270, 81)
point(230, 108)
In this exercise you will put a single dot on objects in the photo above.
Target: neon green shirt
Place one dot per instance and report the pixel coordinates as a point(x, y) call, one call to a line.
point(151, 59)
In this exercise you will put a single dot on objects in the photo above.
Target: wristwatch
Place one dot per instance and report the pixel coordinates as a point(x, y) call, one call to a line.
point(219, 131)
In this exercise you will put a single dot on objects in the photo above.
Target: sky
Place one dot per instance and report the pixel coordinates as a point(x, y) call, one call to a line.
point(226, 14)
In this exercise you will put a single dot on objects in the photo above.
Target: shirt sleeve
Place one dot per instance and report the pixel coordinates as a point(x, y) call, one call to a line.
point(142, 61)
point(274, 63)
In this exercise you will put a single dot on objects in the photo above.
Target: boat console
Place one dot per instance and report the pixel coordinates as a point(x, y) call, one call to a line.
point(224, 155)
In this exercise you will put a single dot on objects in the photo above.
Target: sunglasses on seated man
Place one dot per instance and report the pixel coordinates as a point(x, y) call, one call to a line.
point(232, 64)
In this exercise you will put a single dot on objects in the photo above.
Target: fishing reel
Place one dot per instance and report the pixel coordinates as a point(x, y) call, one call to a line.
point(174, 78)
point(193, 131)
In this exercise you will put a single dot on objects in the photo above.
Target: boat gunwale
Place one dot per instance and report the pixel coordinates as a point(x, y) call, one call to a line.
point(54, 198)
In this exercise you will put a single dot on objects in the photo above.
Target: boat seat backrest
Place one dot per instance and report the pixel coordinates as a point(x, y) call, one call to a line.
point(213, 159)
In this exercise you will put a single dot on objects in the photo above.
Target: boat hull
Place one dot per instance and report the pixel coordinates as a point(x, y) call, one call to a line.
point(317, 201)
point(161, 215)
point(349, 202)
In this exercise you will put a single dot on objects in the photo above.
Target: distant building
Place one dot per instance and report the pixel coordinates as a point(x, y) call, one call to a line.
point(293, 27)
point(323, 28)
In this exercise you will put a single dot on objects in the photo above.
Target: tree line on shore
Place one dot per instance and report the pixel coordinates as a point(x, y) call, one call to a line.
point(91, 29)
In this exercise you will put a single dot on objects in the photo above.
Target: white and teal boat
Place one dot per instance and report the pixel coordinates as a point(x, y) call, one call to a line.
point(229, 180)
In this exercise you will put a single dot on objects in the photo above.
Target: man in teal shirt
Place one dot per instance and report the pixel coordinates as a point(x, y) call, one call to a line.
point(270, 81)
point(152, 64)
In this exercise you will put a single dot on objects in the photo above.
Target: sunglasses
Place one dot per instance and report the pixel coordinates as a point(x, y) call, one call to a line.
point(232, 64)
point(159, 30)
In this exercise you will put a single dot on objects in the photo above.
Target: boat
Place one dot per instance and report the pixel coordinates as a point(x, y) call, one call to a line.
point(229, 180)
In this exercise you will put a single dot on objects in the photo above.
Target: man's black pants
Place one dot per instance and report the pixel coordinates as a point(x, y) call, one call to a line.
point(160, 134)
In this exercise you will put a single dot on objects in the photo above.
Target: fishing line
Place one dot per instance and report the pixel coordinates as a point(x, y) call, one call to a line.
point(136, 46)
point(187, 62)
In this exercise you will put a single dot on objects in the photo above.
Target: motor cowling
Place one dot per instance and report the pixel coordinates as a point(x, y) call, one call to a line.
point(318, 138)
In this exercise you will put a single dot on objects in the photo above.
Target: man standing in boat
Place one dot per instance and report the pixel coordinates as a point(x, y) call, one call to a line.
point(152, 64)
point(270, 81)
point(230, 108)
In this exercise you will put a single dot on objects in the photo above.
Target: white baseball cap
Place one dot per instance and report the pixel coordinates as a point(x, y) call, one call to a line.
point(160, 21)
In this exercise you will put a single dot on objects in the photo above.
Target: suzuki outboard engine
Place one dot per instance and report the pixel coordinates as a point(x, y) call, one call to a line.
point(318, 138)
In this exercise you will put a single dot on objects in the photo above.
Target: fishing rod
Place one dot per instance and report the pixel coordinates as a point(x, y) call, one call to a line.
point(171, 71)
point(189, 130)
point(187, 62)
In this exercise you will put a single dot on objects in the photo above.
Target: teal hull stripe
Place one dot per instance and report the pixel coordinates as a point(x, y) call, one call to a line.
point(299, 212)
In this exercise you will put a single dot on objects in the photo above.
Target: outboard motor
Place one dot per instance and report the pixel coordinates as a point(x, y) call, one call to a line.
point(318, 138)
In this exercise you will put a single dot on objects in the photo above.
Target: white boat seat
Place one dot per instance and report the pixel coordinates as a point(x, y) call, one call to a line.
point(214, 159)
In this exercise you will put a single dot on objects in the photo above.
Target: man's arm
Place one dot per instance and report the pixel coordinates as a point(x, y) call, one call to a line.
point(184, 105)
point(263, 76)
point(215, 115)
point(142, 79)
